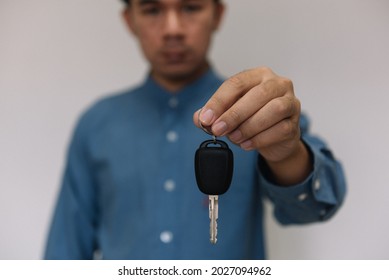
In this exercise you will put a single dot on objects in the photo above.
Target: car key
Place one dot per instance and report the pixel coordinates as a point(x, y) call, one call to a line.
point(213, 168)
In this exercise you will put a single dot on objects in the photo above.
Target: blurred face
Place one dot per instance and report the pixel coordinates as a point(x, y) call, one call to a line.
point(174, 35)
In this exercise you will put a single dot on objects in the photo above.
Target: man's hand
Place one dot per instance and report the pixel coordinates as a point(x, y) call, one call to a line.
point(257, 110)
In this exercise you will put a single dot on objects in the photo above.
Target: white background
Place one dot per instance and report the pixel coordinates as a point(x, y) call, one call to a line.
point(57, 57)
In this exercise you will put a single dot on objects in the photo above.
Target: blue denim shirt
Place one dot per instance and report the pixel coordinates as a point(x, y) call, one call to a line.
point(129, 189)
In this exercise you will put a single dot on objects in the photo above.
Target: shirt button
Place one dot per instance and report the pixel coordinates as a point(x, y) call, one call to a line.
point(302, 197)
point(166, 236)
point(173, 102)
point(169, 185)
point(316, 185)
point(172, 136)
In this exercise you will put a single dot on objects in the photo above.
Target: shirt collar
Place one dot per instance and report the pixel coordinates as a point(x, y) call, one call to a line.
point(197, 89)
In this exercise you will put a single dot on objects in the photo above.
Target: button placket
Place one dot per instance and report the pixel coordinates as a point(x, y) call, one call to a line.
point(166, 235)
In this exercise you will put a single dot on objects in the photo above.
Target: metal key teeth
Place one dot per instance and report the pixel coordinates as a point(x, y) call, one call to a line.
point(213, 215)
point(213, 238)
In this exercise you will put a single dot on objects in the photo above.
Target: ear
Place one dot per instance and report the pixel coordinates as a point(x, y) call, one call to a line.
point(128, 17)
point(219, 14)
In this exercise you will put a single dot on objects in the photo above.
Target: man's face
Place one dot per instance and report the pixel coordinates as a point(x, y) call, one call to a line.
point(174, 34)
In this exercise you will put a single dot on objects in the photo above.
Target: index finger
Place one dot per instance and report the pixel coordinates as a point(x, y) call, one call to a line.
point(228, 93)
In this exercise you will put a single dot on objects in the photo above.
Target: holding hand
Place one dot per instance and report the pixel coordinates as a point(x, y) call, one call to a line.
point(257, 110)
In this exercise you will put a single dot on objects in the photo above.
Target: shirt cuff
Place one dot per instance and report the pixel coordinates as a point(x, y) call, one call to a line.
point(315, 192)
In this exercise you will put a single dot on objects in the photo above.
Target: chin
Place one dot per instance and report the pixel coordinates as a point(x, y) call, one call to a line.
point(181, 71)
point(179, 75)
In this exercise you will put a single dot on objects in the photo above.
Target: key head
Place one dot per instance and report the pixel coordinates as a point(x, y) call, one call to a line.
point(214, 163)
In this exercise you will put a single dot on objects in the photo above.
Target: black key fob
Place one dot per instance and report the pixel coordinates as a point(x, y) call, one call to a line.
point(214, 164)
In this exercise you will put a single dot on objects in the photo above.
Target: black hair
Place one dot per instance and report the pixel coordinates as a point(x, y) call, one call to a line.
point(128, 1)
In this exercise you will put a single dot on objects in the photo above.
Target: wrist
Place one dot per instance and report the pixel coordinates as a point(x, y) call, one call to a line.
point(293, 169)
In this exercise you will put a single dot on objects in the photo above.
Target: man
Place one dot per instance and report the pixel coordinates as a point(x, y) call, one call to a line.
point(129, 189)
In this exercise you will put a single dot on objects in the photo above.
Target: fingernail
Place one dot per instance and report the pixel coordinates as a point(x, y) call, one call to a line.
point(236, 136)
point(207, 116)
point(247, 145)
point(219, 128)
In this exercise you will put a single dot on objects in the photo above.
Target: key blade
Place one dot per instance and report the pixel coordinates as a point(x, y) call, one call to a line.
point(213, 215)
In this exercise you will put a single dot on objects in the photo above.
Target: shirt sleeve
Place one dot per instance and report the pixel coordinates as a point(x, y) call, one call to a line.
point(72, 232)
point(315, 199)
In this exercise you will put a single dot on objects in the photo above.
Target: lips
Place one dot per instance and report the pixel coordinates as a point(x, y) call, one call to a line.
point(174, 52)
point(174, 56)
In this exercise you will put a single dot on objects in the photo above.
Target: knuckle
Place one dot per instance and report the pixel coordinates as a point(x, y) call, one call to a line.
point(235, 82)
point(297, 104)
point(287, 106)
point(267, 85)
point(234, 116)
point(288, 129)
point(282, 107)
point(217, 100)
point(264, 69)
point(286, 83)
point(260, 142)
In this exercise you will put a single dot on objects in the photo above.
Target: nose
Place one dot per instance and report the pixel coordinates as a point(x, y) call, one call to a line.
point(173, 23)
